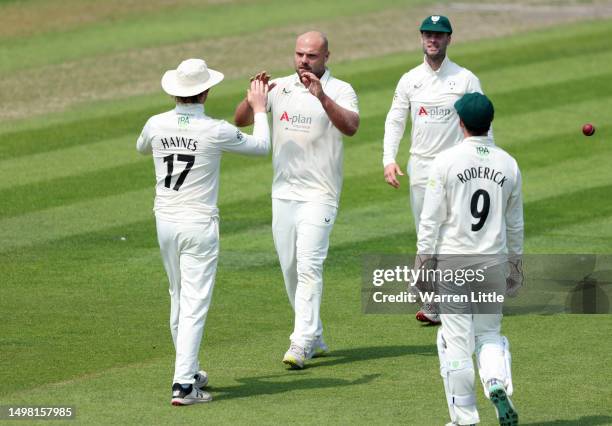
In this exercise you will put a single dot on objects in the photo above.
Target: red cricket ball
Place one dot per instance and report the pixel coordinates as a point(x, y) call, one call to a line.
point(588, 129)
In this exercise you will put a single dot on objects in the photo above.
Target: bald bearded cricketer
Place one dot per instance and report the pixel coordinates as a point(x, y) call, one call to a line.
point(428, 93)
point(473, 217)
point(311, 110)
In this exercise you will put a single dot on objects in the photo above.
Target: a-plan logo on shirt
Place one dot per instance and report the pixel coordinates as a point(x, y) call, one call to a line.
point(296, 122)
point(296, 118)
point(435, 112)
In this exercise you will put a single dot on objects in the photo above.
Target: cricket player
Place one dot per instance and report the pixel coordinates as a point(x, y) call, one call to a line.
point(186, 145)
point(473, 207)
point(311, 111)
point(428, 93)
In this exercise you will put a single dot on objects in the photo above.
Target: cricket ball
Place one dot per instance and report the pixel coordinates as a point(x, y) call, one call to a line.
point(588, 129)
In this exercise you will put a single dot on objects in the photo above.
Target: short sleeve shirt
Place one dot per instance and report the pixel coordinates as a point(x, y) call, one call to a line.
point(307, 150)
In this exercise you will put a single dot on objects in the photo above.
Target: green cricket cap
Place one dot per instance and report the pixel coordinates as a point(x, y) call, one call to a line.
point(475, 110)
point(436, 24)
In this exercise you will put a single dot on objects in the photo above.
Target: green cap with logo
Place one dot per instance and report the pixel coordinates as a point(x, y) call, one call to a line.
point(436, 24)
point(476, 111)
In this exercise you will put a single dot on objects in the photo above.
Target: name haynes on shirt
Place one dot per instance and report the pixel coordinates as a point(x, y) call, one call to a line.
point(298, 122)
point(179, 142)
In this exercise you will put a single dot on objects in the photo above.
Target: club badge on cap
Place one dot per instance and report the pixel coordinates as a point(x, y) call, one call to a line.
point(436, 24)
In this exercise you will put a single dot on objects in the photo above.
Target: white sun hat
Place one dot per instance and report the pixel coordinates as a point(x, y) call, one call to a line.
point(191, 78)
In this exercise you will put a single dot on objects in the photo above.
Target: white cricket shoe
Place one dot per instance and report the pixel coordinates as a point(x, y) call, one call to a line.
point(191, 395)
point(201, 379)
point(506, 413)
point(295, 357)
point(318, 349)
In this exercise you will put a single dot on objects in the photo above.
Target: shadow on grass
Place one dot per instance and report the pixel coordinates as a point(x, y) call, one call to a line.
point(345, 356)
point(291, 381)
point(297, 380)
point(582, 421)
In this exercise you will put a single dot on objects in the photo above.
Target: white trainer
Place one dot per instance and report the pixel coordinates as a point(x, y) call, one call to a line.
point(191, 395)
point(201, 379)
point(295, 357)
point(318, 349)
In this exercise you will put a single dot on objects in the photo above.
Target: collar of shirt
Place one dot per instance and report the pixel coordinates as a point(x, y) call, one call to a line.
point(324, 79)
point(480, 140)
point(440, 71)
point(190, 109)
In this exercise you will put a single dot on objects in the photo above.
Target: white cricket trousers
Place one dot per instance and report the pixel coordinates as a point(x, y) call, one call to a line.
point(418, 171)
point(459, 337)
point(301, 232)
point(189, 252)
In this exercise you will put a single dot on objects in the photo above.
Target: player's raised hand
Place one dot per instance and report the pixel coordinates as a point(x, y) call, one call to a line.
point(312, 83)
point(391, 172)
point(264, 77)
point(257, 96)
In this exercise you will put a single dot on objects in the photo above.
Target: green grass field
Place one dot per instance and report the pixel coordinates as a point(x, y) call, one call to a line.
point(84, 312)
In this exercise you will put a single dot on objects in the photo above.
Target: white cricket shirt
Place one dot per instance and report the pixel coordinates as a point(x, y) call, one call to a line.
point(430, 97)
point(307, 148)
point(186, 146)
point(473, 202)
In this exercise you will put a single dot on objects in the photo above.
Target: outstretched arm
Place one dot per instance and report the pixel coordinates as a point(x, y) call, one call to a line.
point(234, 140)
point(243, 116)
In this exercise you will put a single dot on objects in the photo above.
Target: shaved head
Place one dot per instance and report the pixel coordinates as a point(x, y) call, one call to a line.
point(315, 38)
point(311, 53)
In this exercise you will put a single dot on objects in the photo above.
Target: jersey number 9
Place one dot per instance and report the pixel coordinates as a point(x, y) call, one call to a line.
point(481, 214)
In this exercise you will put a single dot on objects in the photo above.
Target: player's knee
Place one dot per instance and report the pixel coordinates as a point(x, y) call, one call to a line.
point(310, 274)
point(460, 375)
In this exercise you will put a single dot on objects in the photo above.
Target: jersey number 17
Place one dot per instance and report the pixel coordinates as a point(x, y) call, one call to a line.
point(169, 160)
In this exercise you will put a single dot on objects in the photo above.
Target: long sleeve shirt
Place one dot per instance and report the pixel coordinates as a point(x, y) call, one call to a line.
point(473, 202)
point(186, 146)
point(429, 96)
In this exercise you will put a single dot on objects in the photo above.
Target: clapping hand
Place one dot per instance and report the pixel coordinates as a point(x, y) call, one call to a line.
point(257, 95)
point(264, 77)
point(312, 83)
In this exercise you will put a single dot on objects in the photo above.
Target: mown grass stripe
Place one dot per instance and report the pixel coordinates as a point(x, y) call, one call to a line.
point(88, 131)
point(68, 220)
point(93, 180)
point(545, 96)
point(44, 168)
point(565, 47)
point(146, 30)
